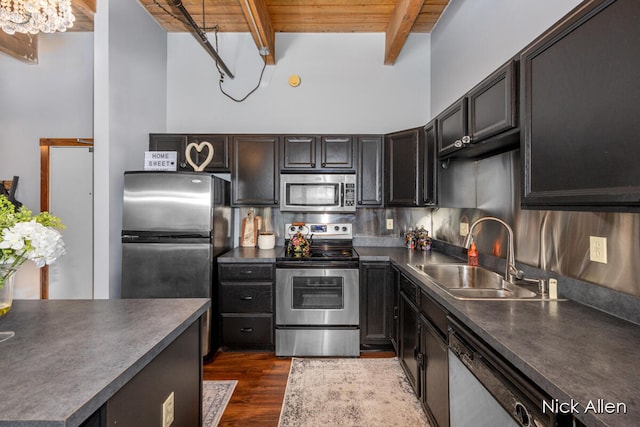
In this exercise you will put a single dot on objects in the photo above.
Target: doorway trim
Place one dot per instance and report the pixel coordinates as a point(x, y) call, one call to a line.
point(45, 145)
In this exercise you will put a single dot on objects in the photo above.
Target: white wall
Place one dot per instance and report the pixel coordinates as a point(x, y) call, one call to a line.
point(130, 93)
point(473, 38)
point(51, 99)
point(345, 86)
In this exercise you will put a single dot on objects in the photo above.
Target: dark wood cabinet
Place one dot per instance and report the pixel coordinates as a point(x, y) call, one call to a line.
point(430, 165)
point(199, 151)
point(245, 305)
point(484, 121)
point(369, 172)
point(394, 320)
point(337, 152)
point(403, 168)
point(434, 377)
point(580, 109)
point(493, 105)
point(434, 381)
point(299, 152)
point(313, 152)
point(170, 142)
point(409, 333)
point(220, 158)
point(255, 174)
point(452, 128)
point(375, 305)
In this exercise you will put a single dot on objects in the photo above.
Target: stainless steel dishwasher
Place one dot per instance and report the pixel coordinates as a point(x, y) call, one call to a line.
point(484, 390)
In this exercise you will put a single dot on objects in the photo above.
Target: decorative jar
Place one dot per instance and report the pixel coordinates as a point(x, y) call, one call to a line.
point(7, 278)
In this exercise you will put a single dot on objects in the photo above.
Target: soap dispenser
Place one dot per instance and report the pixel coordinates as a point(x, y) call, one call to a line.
point(472, 255)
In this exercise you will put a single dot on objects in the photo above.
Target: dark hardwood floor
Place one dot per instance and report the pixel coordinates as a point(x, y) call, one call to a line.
point(262, 379)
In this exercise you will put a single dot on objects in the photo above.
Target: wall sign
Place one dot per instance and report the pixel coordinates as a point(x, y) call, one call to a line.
point(160, 160)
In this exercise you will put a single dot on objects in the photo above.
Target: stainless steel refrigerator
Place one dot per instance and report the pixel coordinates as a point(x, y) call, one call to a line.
point(174, 225)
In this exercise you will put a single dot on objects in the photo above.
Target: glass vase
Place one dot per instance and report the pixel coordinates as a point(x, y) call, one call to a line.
point(7, 278)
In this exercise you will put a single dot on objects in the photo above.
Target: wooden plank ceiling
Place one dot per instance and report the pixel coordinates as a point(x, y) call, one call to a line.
point(264, 18)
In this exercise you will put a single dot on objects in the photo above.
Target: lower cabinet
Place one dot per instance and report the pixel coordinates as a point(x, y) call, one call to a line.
point(376, 309)
point(422, 348)
point(409, 334)
point(245, 305)
point(434, 388)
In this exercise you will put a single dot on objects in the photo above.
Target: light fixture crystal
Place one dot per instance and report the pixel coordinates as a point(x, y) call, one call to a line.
point(33, 16)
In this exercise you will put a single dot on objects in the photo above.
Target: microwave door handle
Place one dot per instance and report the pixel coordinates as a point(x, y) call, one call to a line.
point(341, 194)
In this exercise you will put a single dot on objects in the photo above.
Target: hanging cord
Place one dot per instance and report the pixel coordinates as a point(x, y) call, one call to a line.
point(264, 66)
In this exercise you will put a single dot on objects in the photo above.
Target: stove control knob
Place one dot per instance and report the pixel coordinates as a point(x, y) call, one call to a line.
point(344, 228)
point(336, 228)
point(292, 229)
point(300, 228)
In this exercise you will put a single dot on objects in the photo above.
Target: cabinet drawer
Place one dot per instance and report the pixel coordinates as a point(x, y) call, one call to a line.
point(247, 331)
point(246, 297)
point(409, 289)
point(434, 312)
point(246, 272)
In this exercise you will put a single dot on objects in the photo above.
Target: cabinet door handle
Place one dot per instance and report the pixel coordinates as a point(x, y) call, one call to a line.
point(324, 165)
point(246, 298)
point(313, 165)
point(466, 140)
point(275, 202)
point(246, 330)
point(246, 272)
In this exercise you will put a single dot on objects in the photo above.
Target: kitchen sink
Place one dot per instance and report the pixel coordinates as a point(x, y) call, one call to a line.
point(466, 282)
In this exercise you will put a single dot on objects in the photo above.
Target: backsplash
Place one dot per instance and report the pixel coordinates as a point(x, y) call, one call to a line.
point(369, 225)
point(555, 241)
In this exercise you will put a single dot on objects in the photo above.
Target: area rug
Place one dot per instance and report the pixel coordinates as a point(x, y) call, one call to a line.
point(349, 392)
point(215, 397)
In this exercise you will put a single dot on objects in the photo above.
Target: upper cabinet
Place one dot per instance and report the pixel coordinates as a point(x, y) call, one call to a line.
point(255, 176)
point(369, 175)
point(580, 107)
point(430, 160)
point(403, 168)
point(205, 152)
point(485, 120)
point(326, 152)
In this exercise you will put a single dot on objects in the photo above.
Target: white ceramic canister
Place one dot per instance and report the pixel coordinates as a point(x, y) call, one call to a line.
point(266, 240)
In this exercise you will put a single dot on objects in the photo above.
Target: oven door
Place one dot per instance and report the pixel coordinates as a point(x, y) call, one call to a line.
point(317, 297)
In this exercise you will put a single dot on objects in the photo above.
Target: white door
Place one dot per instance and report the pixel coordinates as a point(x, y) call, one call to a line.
point(71, 199)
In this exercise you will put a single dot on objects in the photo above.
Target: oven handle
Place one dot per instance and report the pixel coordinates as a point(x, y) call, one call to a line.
point(317, 264)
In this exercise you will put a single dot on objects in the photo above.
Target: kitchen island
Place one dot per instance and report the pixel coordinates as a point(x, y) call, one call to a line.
point(101, 361)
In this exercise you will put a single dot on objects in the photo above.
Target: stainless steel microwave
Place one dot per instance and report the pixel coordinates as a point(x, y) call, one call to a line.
point(318, 192)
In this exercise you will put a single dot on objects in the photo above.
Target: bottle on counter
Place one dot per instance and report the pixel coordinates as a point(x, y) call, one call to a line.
point(472, 255)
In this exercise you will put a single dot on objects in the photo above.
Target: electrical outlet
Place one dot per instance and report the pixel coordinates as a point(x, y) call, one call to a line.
point(168, 411)
point(598, 249)
point(389, 223)
point(464, 228)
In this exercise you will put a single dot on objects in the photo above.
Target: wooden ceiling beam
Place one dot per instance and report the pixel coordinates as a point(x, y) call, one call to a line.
point(21, 46)
point(259, 22)
point(85, 7)
point(402, 19)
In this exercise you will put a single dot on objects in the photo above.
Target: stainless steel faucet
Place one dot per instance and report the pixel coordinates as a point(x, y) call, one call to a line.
point(510, 270)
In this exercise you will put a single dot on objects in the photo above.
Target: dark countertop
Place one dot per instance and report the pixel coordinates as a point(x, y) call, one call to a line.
point(69, 357)
point(573, 352)
point(251, 255)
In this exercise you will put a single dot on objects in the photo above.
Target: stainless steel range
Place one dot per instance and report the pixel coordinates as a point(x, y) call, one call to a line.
point(317, 292)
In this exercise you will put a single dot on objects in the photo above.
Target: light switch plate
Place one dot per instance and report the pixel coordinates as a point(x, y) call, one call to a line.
point(390, 224)
point(464, 228)
point(598, 249)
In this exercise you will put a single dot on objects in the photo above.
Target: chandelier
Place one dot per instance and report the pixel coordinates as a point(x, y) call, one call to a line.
point(32, 16)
